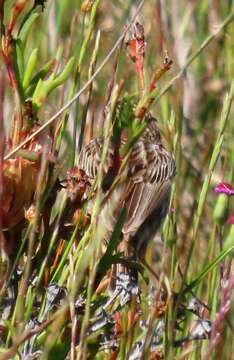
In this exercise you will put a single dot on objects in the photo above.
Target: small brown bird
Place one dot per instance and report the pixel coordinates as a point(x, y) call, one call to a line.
point(144, 188)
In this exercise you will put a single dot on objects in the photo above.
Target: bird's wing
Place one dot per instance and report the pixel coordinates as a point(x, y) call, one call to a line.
point(150, 172)
point(151, 169)
point(90, 157)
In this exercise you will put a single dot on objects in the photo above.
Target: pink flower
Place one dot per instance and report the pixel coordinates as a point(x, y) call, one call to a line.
point(224, 188)
point(231, 219)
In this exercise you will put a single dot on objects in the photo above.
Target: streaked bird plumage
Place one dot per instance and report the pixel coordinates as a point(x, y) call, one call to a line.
point(144, 190)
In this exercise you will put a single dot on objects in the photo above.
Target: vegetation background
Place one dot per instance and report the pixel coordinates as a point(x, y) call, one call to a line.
point(62, 43)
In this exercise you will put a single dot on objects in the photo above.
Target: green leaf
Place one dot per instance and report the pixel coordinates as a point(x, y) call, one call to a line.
point(221, 207)
point(59, 350)
point(226, 251)
point(230, 238)
point(45, 87)
point(216, 153)
point(41, 74)
point(19, 60)
point(32, 61)
point(63, 76)
point(125, 114)
point(27, 27)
